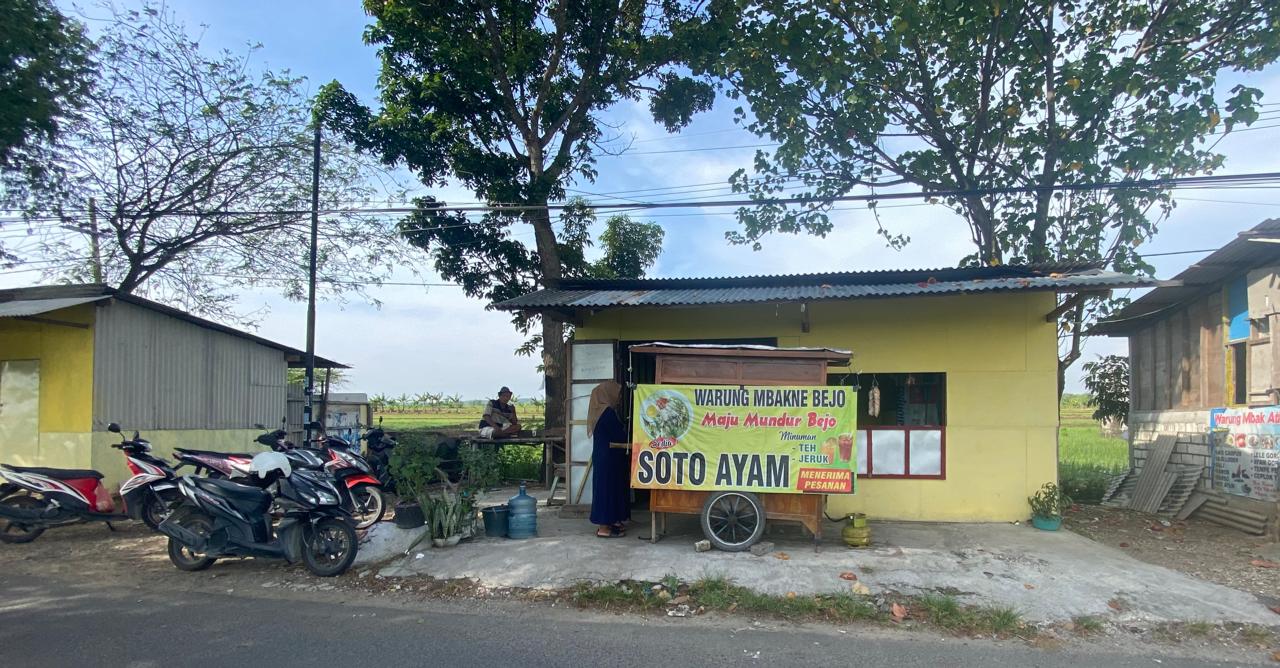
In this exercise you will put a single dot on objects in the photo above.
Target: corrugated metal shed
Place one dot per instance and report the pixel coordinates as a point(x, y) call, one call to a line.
point(52, 297)
point(28, 307)
point(816, 287)
point(1239, 255)
point(154, 372)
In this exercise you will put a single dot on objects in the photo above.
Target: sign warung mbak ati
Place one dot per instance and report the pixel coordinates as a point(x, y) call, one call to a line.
point(750, 438)
point(1245, 463)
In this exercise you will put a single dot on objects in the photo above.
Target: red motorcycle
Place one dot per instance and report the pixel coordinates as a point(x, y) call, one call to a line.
point(35, 498)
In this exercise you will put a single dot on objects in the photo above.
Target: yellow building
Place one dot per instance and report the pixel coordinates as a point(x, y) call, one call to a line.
point(965, 362)
point(74, 359)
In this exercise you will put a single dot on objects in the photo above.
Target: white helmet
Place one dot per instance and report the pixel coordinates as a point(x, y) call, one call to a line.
point(265, 462)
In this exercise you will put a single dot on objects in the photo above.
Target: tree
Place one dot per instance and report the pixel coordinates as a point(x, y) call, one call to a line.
point(957, 95)
point(491, 265)
point(504, 98)
point(198, 170)
point(336, 377)
point(44, 75)
point(1108, 383)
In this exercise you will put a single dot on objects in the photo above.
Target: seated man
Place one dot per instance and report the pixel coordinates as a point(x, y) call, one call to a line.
point(499, 419)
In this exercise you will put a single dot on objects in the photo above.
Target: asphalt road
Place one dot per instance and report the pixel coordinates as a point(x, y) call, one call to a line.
point(48, 622)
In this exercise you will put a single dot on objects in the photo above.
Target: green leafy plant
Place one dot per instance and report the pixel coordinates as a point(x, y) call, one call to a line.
point(415, 466)
point(1049, 501)
point(1108, 383)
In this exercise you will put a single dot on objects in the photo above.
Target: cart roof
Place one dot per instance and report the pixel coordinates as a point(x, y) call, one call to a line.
point(743, 350)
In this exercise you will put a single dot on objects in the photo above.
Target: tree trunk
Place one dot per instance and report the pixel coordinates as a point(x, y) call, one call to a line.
point(553, 348)
point(553, 364)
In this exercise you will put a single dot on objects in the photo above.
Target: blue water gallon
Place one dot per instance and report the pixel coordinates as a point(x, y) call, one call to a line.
point(522, 516)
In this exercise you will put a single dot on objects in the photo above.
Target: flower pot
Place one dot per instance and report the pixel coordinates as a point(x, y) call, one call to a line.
point(1046, 523)
point(452, 540)
point(409, 516)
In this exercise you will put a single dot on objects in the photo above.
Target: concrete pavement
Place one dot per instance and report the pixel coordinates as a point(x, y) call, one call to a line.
point(45, 621)
point(1045, 576)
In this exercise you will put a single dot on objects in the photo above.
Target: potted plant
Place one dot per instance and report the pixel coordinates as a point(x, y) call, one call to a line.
point(1047, 506)
point(414, 465)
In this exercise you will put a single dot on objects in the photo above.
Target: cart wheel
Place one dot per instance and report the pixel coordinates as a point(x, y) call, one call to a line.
point(733, 521)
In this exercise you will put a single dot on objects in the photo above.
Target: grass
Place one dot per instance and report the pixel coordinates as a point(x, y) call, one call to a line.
point(1086, 457)
point(719, 594)
point(1087, 625)
point(948, 613)
point(1256, 635)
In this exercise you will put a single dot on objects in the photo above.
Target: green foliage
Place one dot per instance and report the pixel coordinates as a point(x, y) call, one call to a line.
point(949, 95)
point(415, 466)
point(520, 462)
point(337, 378)
point(1108, 383)
point(506, 100)
point(45, 71)
point(985, 95)
point(1049, 501)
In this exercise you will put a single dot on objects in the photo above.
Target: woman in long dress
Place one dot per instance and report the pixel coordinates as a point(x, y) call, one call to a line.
point(610, 505)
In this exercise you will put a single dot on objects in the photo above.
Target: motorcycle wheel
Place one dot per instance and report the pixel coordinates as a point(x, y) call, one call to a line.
point(184, 557)
point(370, 504)
point(19, 532)
point(154, 511)
point(329, 547)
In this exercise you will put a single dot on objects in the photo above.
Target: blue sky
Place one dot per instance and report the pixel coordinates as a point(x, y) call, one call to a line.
point(439, 340)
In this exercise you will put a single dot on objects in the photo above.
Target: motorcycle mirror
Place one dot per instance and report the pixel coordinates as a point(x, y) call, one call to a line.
point(114, 428)
point(259, 425)
point(135, 435)
point(379, 420)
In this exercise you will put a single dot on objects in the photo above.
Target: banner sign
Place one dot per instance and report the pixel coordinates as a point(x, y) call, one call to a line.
point(1245, 462)
point(747, 438)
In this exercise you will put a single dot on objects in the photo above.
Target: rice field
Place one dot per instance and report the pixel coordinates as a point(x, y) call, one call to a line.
point(1086, 457)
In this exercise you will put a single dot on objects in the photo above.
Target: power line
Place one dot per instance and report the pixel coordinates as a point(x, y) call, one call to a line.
point(1229, 181)
point(1261, 179)
point(1185, 252)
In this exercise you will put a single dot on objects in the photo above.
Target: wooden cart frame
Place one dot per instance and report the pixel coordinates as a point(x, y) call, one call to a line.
point(739, 365)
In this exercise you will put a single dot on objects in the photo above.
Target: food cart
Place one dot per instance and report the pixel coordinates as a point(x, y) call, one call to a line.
point(739, 435)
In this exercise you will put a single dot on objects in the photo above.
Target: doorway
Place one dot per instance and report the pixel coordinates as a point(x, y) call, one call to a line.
point(20, 412)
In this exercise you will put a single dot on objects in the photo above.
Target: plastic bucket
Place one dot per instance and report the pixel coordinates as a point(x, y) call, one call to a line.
point(495, 521)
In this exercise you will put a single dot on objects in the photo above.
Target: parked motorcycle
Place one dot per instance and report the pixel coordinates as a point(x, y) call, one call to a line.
point(378, 447)
point(35, 498)
point(354, 472)
point(214, 464)
point(335, 456)
point(151, 491)
point(221, 518)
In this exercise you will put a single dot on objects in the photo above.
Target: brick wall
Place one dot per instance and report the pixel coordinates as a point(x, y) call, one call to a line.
point(1192, 448)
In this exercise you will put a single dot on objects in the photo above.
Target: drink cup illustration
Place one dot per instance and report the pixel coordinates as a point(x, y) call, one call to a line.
point(846, 447)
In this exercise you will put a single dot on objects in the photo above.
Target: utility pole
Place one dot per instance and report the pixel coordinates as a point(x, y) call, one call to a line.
point(95, 251)
point(309, 390)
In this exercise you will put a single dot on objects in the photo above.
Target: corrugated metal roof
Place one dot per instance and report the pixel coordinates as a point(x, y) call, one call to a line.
point(1236, 257)
point(25, 307)
point(53, 297)
point(815, 287)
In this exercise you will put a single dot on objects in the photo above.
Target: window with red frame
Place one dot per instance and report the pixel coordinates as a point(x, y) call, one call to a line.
point(907, 437)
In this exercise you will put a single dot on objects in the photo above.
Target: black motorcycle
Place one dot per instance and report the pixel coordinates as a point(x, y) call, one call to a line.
point(378, 447)
point(221, 518)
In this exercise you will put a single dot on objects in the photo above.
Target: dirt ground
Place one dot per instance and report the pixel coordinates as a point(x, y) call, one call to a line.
point(1195, 547)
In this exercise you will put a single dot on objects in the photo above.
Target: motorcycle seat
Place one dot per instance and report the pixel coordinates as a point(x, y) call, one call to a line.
point(188, 451)
point(57, 474)
point(244, 497)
